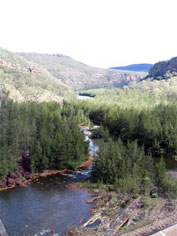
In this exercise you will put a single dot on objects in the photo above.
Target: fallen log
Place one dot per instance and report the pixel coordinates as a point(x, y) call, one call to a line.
point(92, 220)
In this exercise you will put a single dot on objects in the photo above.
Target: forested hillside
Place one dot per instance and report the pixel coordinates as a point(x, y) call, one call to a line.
point(80, 76)
point(24, 80)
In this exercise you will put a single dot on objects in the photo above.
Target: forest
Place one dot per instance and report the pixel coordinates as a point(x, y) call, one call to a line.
point(53, 140)
point(135, 115)
point(134, 128)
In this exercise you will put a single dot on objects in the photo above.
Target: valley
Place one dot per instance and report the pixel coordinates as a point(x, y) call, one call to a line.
point(132, 180)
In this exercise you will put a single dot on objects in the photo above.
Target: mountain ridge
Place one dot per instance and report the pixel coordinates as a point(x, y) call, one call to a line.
point(164, 69)
point(78, 75)
point(142, 67)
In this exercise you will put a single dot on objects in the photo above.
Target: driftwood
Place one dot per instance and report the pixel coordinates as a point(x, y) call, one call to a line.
point(92, 220)
point(124, 218)
point(93, 199)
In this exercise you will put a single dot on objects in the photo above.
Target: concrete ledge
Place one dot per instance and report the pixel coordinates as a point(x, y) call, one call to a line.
point(170, 231)
point(3, 231)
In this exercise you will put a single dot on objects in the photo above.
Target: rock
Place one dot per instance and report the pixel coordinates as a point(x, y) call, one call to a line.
point(10, 181)
point(27, 175)
point(18, 173)
point(18, 181)
point(154, 190)
point(13, 175)
point(107, 195)
point(96, 190)
point(3, 183)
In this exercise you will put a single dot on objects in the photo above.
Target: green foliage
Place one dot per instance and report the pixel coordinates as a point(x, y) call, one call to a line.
point(126, 167)
point(132, 115)
point(161, 174)
point(53, 139)
point(154, 195)
point(101, 133)
point(124, 227)
point(165, 183)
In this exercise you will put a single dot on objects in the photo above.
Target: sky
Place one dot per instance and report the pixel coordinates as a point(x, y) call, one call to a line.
point(101, 33)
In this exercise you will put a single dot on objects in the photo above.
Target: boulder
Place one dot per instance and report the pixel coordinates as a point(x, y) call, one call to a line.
point(18, 173)
point(10, 181)
point(13, 175)
point(18, 181)
point(27, 175)
point(3, 183)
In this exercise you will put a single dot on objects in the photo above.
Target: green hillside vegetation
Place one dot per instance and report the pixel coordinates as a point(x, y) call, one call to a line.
point(164, 88)
point(80, 76)
point(144, 94)
point(24, 80)
point(145, 112)
point(136, 125)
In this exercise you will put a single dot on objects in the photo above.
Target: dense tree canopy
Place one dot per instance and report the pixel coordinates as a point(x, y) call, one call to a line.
point(53, 139)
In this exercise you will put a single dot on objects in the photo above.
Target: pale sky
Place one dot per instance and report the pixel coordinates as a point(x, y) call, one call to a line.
point(100, 33)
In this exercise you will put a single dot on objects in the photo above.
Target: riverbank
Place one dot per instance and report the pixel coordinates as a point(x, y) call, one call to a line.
point(22, 177)
point(115, 214)
point(23, 182)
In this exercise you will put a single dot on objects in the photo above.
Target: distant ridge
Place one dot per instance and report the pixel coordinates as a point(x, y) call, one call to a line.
point(134, 67)
point(164, 69)
point(78, 76)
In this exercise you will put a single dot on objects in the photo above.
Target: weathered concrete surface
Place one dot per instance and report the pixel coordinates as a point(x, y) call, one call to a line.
point(3, 231)
point(170, 231)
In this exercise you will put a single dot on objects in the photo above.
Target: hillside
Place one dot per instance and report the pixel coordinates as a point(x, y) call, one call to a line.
point(161, 80)
point(164, 69)
point(80, 76)
point(25, 80)
point(134, 67)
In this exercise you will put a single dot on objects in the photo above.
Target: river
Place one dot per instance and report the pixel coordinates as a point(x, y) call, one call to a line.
point(47, 205)
point(83, 97)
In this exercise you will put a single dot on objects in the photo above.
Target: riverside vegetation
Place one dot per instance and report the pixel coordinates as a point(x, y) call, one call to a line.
point(130, 137)
point(53, 140)
point(134, 128)
point(129, 190)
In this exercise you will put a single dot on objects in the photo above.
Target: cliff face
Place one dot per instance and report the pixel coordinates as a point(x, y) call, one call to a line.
point(164, 69)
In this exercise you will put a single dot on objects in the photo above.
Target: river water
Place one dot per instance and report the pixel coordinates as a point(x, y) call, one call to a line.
point(49, 205)
point(83, 97)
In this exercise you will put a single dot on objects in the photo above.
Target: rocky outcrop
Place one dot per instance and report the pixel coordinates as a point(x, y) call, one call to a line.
point(163, 69)
point(19, 176)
